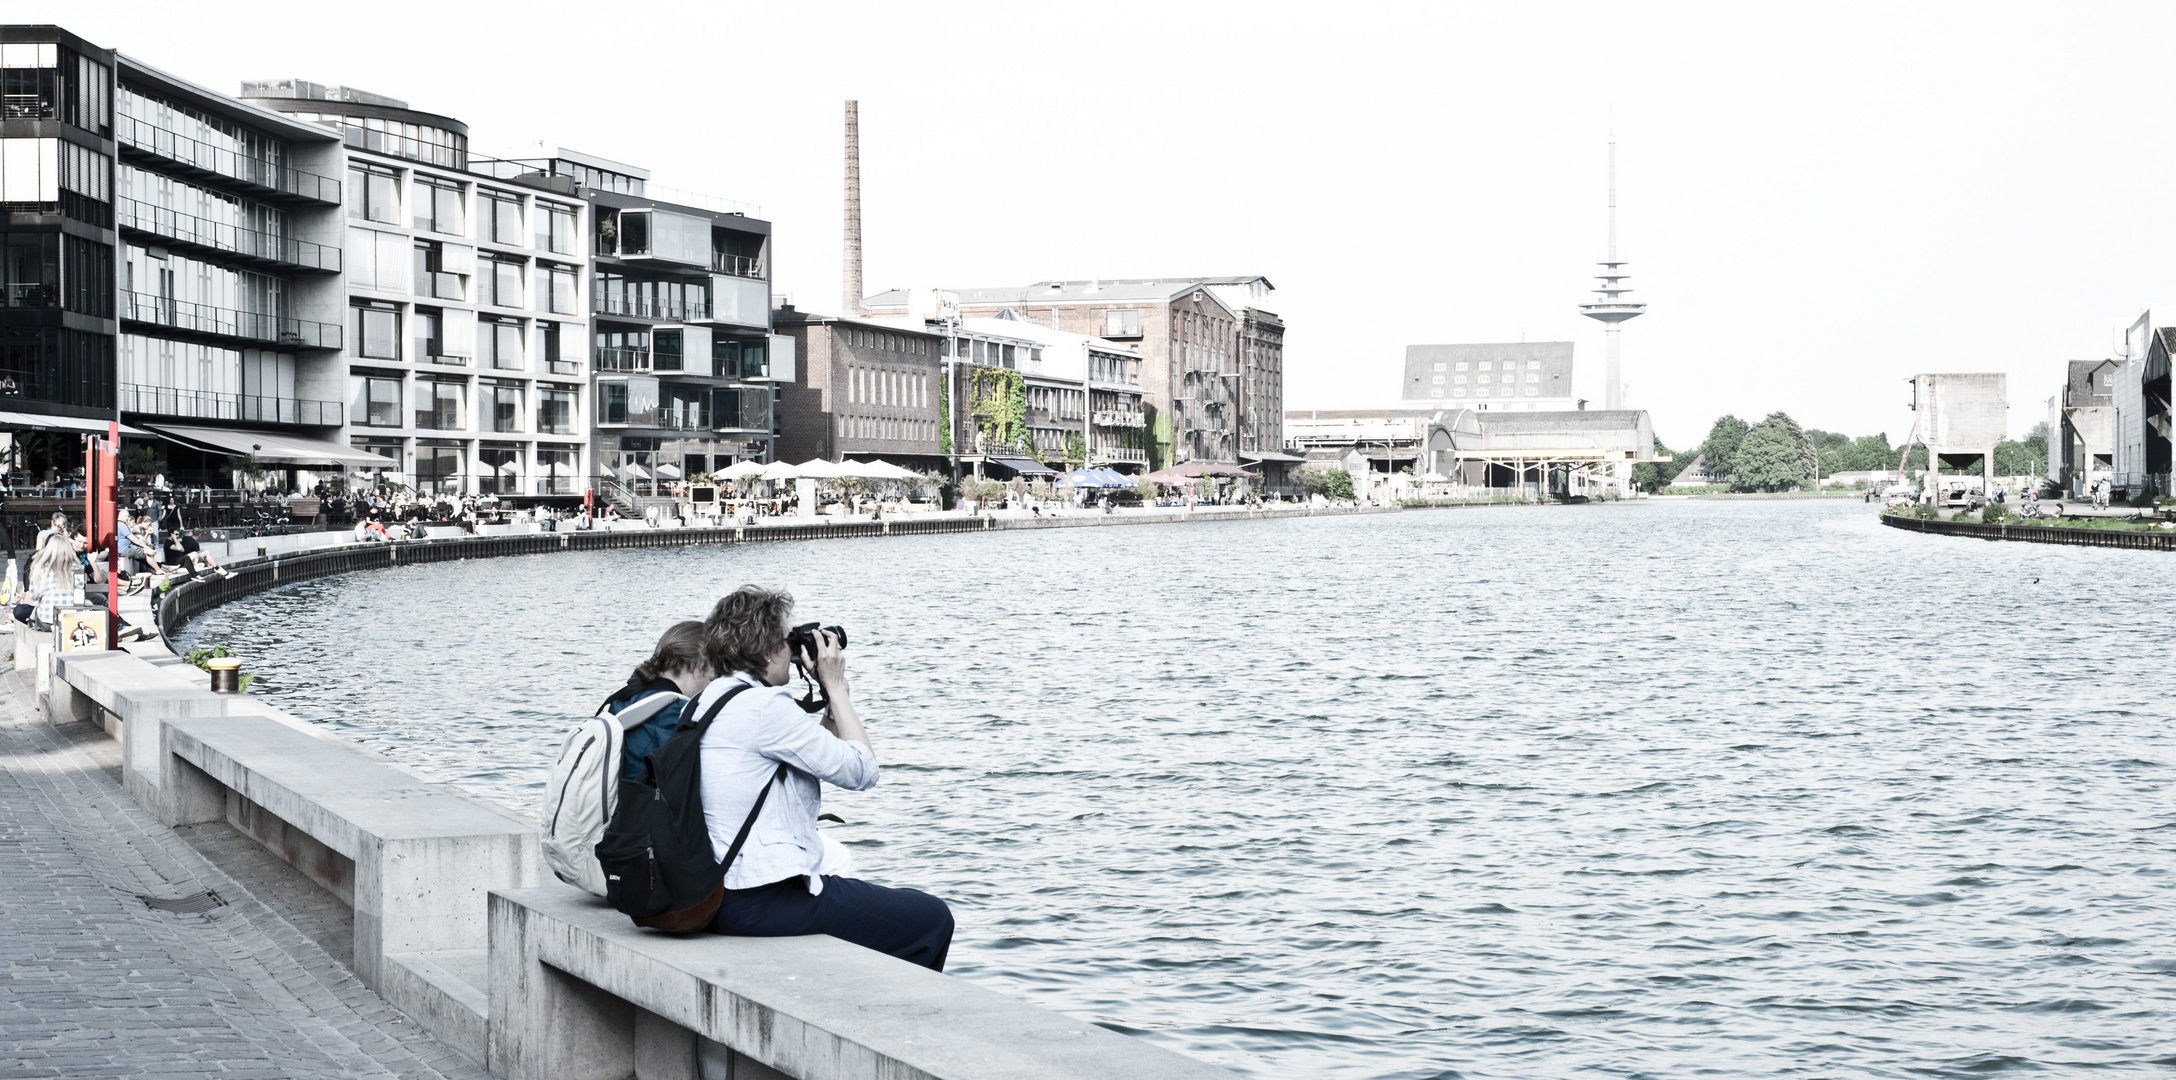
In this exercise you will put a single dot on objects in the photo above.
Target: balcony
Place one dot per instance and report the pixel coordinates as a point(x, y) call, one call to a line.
point(622, 359)
point(645, 308)
point(227, 323)
point(1120, 419)
point(205, 405)
point(140, 137)
point(29, 295)
point(441, 285)
point(1120, 453)
point(189, 231)
point(736, 265)
point(432, 356)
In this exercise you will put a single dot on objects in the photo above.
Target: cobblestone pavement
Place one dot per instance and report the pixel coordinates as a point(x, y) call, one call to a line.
point(93, 982)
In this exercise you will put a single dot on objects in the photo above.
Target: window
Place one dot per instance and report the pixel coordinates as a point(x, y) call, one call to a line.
point(1121, 324)
point(1458, 379)
point(437, 206)
point(1458, 391)
point(428, 327)
point(562, 296)
point(554, 228)
point(612, 401)
point(441, 271)
point(377, 260)
point(438, 468)
point(1439, 380)
point(547, 348)
point(1533, 376)
point(1461, 365)
point(1533, 365)
point(377, 401)
point(502, 403)
point(501, 218)
point(1486, 366)
point(1008, 356)
point(1435, 391)
point(555, 471)
point(373, 194)
point(1440, 367)
point(554, 411)
point(439, 405)
point(377, 330)
point(501, 344)
point(498, 470)
point(665, 351)
point(505, 283)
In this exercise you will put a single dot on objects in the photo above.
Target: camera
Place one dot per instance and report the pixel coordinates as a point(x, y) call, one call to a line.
point(802, 638)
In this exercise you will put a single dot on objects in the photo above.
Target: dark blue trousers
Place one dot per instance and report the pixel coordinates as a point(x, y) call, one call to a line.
point(913, 926)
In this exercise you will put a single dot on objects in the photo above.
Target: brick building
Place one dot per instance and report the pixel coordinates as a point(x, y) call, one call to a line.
point(862, 388)
point(1212, 370)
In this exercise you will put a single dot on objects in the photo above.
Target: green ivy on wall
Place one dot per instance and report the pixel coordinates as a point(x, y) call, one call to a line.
point(944, 413)
point(998, 398)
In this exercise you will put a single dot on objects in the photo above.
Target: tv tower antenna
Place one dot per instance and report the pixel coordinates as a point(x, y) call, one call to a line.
point(1610, 308)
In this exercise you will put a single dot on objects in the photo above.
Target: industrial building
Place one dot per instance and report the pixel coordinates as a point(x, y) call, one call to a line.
point(1528, 375)
point(2081, 427)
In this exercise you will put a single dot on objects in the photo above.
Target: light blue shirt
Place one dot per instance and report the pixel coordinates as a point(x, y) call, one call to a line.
point(758, 729)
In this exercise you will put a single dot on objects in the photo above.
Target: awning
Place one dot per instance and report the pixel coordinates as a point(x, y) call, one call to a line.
point(1025, 467)
point(42, 422)
point(269, 448)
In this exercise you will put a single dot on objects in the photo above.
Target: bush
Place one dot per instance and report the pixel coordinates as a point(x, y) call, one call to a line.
point(1997, 514)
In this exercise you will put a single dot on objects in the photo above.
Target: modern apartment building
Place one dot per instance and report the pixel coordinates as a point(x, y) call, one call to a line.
point(2081, 426)
point(173, 259)
point(463, 301)
point(1212, 357)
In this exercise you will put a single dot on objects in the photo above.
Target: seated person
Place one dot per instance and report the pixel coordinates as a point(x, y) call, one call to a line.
point(183, 551)
point(675, 667)
point(775, 886)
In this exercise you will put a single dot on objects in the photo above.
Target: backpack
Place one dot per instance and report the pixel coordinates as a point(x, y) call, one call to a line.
point(659, 866)
point(584, 789)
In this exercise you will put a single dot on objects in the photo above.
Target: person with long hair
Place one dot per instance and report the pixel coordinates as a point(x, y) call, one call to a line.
point(676, 666)
point(51, 581)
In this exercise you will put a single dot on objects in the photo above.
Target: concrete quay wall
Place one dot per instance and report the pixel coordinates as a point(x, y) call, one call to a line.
point(2038, 534)
point(458, 924)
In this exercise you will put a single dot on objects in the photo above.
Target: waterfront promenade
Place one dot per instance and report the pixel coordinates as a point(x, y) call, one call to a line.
point(94, 982)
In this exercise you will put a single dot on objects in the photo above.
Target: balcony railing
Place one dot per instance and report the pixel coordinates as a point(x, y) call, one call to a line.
point(150, 138)
point(1118, 418)
point(754, 413)
point(226, 322)
point(645, 308)
point(431, 356)
point(31, 295)
point(441, 285)
point(1119, 453)
point(622, 359)
point(736, 265)
point(188, 229)
point(206, 405)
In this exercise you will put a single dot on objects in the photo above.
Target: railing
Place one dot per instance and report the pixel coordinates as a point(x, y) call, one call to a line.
point(31, 295)
point(447, 361)
point(189, 229)
point(2039, 534)
point(442, 285)
point(1106, 418)
point(736, 265)
point(226, 322)
point(206, 405)
point(622, 359)
point(645, 308)
point(150, 138)
point(1119, 454)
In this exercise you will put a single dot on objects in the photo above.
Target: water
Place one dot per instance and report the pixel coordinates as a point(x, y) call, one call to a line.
point(1742, 789)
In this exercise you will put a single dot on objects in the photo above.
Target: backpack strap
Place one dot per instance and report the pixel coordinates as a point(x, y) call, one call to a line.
point(725, 865)
point(731, 853)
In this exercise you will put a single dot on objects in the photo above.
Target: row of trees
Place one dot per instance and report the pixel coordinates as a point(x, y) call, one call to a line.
point(1777, 455)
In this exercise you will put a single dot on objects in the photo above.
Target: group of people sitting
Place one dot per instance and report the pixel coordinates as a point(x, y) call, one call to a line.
point(149, 549)
point(782, 883)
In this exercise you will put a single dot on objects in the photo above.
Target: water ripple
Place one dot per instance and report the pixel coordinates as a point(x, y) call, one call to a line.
point(1746, 789)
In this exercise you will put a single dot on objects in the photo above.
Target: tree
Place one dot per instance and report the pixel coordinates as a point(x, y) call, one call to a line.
point(1721, 446)
point(1773, 456)
point(1873, 453)
point(1653, 476)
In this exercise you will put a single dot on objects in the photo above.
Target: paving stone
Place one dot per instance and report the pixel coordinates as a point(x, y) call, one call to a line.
point(95, 984)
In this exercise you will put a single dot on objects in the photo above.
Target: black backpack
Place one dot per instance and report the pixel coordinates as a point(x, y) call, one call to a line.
point(659, 866)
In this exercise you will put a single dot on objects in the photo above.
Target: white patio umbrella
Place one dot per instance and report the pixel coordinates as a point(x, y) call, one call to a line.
point(779, 470)
point(884, 470)
point(740, 470)
point(817, 469)
point(668, 472)
point(632, 471)
point(1433, 478)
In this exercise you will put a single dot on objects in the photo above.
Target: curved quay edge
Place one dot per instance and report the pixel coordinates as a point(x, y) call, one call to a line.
point(457, 923)
point(2037, 534)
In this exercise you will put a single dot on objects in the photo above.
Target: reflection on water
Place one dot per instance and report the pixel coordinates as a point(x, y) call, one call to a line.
point(1761, 789)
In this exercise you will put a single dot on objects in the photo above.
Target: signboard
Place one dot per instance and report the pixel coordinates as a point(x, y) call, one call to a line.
point(80, 629)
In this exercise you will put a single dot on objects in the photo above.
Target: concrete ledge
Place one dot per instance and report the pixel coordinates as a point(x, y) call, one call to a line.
point(571, 979)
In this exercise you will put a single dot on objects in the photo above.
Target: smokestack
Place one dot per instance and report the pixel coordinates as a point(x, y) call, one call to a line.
point(853, 208)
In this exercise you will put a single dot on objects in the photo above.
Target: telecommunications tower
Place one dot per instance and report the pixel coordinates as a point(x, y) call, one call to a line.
point(1610, 308)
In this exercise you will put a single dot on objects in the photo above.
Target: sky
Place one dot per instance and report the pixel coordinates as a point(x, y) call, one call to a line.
point(1816, 201)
